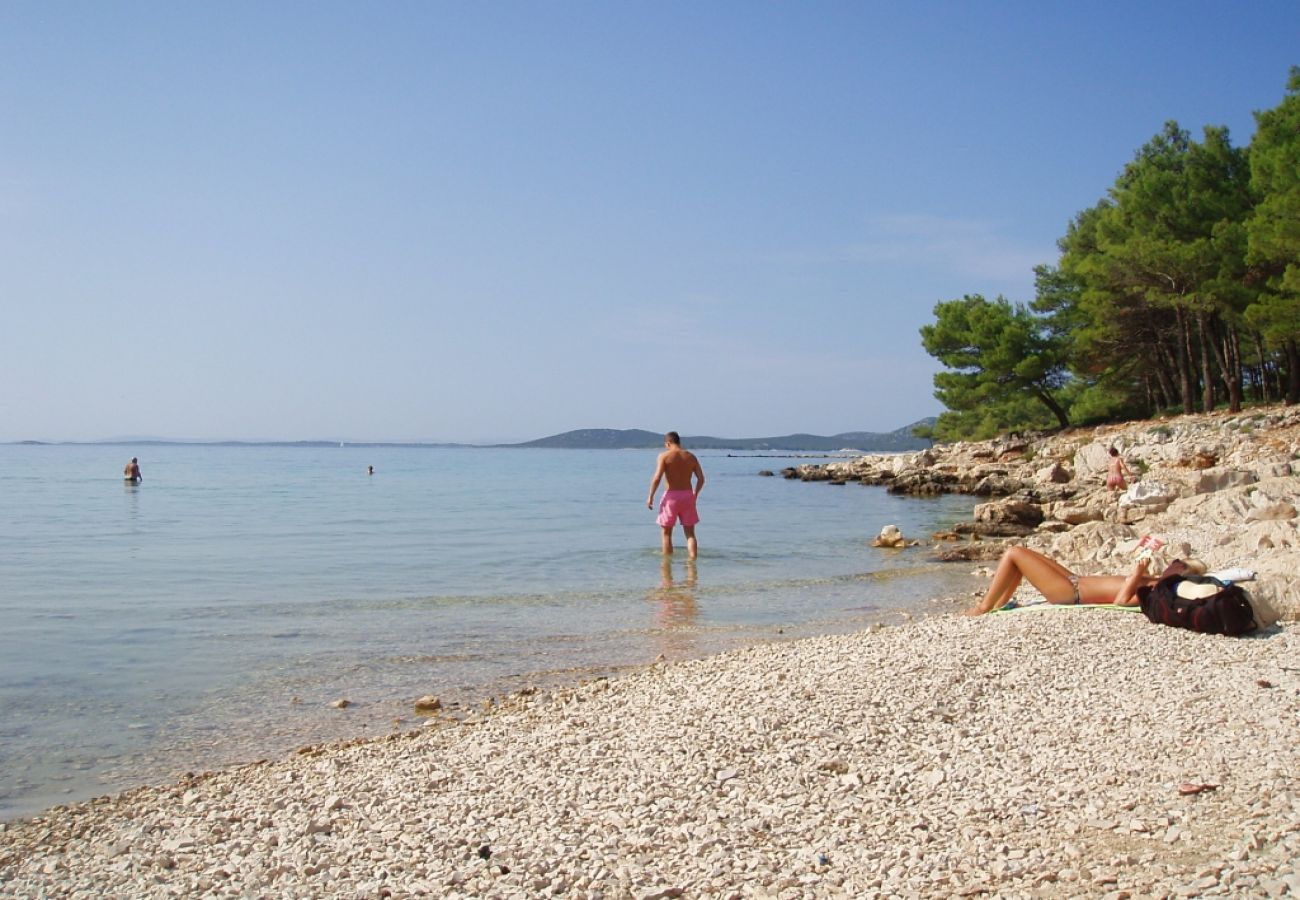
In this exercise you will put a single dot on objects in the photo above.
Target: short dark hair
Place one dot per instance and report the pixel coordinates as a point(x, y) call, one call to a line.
point(673, 437)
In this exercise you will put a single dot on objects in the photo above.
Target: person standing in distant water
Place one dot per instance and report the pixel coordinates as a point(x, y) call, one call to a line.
point(370, 470)
point(132, 470)
point(679, 467)
point(1116, 472)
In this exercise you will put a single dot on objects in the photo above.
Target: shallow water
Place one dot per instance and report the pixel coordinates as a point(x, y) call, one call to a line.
point(213, 612)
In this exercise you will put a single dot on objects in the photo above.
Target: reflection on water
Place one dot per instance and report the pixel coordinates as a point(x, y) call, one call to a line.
point(676, 610)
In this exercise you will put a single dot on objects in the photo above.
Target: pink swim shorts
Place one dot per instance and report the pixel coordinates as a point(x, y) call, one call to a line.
point(675, 505)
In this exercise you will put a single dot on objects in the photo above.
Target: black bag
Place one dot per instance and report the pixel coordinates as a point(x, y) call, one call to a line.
point(1226, 610)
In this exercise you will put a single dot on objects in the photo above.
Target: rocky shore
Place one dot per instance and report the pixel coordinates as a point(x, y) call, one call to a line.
point(1224, 488)
point(1049, 752)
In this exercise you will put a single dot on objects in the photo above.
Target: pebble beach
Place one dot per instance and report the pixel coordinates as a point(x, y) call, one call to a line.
point(1058, 752)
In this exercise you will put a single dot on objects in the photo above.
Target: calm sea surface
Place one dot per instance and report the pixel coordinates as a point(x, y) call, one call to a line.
point(213, 613)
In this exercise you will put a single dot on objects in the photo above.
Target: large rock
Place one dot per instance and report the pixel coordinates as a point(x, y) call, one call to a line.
point(1004, 518)
point(969, 551)
point(1053, 474)
point(1211, 480)
point(926, 481)
point(1275, 469)
point(890, 536)
point(1275, 547)
point(1149, 494)
point(1270, 511)
point(1093, 508)
point(1093, 542)
point(1091, 461)
point(997, 484)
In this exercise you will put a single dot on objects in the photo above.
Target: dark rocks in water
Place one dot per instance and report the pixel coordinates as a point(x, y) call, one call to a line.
point(996, 485)
point(766, 473)
point(927, 482)
point(992, 529)
point(971, 551)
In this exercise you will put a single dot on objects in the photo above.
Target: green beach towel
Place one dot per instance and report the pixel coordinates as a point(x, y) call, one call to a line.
point(1043, 604)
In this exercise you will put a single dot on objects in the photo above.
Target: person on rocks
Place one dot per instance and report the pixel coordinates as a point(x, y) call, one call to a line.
point(1058, 584)
point(679, 467)
point(1116, 471)
point(132, 471)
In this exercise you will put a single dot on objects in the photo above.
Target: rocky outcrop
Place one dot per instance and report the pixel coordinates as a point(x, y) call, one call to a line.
point(1003, 518)
point(1221, 487)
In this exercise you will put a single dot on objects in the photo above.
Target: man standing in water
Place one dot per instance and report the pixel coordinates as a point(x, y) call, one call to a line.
point(678, 502)
point(132, 470)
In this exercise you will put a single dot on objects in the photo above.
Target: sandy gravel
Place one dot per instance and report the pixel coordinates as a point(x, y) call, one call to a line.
point(1061, 752)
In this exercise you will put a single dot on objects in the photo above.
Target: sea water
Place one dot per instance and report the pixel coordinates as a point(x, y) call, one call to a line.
point(215, 612)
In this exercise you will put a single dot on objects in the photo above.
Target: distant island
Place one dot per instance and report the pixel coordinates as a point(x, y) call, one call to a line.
point(602, 439)
point(637, 439)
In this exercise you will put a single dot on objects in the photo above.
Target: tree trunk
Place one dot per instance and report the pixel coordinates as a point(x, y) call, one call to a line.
point(1050, 402)
point(1235, 394)
point(1227, 349)
point(1204, 341)
point(1265, 393)
point(1164, 380)
point(1184, 361)
point(1292, 373)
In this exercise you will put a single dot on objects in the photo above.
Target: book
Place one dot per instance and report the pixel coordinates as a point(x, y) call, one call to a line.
point(1148, 546)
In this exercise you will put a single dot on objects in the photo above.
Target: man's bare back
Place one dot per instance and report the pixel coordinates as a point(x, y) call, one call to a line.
point(678, 466)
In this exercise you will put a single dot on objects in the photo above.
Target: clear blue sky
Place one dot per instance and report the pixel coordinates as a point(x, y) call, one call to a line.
point(497, 221)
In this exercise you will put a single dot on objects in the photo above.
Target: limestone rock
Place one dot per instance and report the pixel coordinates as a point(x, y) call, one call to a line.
point(1149, 494)
point(1269, 512)
point(428, 704)
point(1053, 474)
point(1007, 518)
point(1091, 461)
point(890, 536)
point(1211, 480)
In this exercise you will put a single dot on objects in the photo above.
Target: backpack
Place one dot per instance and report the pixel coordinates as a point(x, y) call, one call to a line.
point(1222, 608)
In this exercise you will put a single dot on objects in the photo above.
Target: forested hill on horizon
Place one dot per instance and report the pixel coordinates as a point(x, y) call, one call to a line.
point(901, 439)
point(639, 439)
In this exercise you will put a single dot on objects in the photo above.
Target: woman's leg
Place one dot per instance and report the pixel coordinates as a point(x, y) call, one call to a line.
point(1050, 577)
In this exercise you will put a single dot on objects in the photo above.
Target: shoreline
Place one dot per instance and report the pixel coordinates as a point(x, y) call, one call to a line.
point(192, 742)
point(1018, 753)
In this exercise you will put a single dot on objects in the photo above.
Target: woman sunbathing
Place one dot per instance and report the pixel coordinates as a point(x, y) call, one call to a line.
point(1058, 584)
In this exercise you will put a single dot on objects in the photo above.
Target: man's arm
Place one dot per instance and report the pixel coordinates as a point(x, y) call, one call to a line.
point(699, 475)
point(654, 484)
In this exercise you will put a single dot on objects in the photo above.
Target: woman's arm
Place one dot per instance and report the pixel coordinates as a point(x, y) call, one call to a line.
point(1127, 594)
